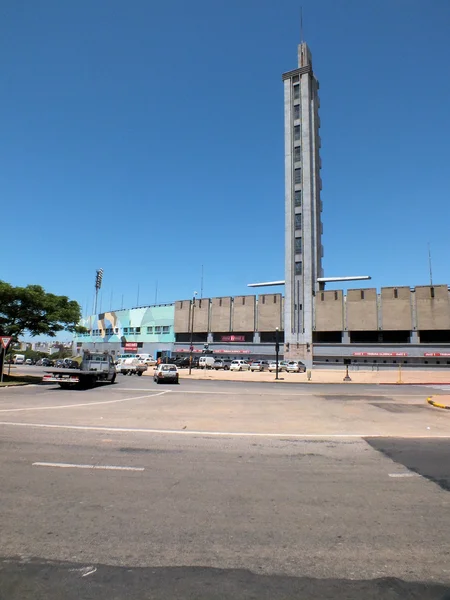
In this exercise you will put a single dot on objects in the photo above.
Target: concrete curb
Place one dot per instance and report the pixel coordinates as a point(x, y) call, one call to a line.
point(436, 404)
point(14, 385)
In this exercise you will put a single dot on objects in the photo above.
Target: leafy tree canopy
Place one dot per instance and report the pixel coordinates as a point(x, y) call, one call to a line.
point(35, 311)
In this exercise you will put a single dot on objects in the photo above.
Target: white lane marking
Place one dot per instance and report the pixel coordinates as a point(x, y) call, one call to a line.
point(404, 475)
point(84, 570)
point(75, 466)
point(224, 433)
point(7, 410)
point(260, 393)
point(439, 387)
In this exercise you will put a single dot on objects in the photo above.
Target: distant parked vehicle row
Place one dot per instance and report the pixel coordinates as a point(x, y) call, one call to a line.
point(289, 366)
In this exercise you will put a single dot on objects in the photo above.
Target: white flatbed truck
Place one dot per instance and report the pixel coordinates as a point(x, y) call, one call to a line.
point(95, 367)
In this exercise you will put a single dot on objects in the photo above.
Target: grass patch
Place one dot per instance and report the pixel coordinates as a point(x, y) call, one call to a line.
point(19, 380)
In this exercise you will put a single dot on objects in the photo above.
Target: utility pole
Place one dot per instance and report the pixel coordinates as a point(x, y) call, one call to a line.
point(277, 351)
point(191, 346)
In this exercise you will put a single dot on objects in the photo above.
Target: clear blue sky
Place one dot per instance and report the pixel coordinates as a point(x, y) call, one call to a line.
point(146, 138)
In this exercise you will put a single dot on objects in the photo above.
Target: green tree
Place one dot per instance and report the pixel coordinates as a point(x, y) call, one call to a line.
point(35, 311)
point(31, 309)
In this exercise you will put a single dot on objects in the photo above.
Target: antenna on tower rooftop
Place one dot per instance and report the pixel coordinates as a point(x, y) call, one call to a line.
point(301, 24)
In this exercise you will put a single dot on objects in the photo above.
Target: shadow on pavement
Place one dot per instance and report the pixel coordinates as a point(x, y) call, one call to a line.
point(39, 580)
point(425, 456)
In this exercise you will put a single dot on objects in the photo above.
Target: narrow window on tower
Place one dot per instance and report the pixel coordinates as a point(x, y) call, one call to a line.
point(296, 92)
point(297, 176)
point(297, 154)
point(298, 198)
point(298, 268)
point(298, 221)
point(296, 133)
point(298, 245)
point(297, 111)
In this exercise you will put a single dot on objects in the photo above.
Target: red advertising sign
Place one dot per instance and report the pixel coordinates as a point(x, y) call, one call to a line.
point(130, 346)
point(5, 340)
point(436, 353)
point(380, 354)
point(232, 338)
point(215, 351)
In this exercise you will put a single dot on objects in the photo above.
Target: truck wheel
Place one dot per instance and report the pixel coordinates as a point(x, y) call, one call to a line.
point(140, 373)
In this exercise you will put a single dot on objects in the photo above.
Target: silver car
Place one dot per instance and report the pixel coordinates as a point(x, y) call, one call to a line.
point(282, 366)
point(295, 366)
point(259, 365)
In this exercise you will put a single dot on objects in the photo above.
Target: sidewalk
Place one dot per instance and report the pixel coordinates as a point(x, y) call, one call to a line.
point(408, 376)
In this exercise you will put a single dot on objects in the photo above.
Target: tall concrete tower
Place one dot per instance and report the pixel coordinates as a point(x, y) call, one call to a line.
point(303, 226)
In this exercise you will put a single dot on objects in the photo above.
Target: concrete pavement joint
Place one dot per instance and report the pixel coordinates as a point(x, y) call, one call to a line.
point(223, 433)
point(257, 393)
point(7, 410)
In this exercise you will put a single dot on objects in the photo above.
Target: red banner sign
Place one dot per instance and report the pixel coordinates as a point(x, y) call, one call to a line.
point(130, 346)
point(436, 353)
point(214, 351)
point(380, 354)
point(232, 338)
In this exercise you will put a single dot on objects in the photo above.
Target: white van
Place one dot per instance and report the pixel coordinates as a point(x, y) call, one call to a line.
point(205, 362)
point(239, 365)
point(19, 359)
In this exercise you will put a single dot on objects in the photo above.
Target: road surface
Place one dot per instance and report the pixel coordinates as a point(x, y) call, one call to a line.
point(223, 490)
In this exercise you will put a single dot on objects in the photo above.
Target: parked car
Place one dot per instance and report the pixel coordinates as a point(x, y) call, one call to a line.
point(259, 365)
point(281, 366)
point(239, 365)
point(60, 364)
point(29, 361)
point(166, 373)
point(146, 359)
point(46, 362)
point(222, 363)
point(295, 366)
point(206, 362)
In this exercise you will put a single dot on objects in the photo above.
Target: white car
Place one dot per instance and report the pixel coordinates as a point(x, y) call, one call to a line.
point(166, 373)
point(239, 365)
point(295, 366)
point(281, 366)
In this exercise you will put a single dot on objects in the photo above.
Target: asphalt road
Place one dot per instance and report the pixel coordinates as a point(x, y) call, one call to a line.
point(184, 514)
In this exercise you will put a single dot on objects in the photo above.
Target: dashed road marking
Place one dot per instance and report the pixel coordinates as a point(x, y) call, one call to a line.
point(400, 475)
point(97, 467)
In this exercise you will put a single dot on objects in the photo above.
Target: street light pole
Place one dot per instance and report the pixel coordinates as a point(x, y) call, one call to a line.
point(191, 347)
point(277, 351)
